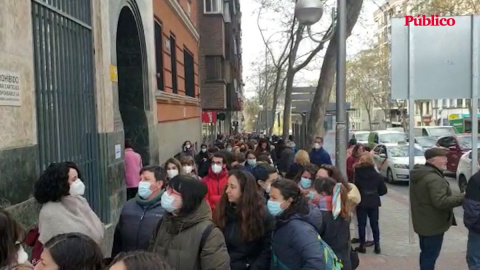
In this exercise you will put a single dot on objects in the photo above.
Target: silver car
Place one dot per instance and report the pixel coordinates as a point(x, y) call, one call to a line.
point(392, 161)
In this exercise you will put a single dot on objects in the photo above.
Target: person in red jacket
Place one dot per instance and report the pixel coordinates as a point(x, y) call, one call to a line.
point(353, 159)
point(216, 179)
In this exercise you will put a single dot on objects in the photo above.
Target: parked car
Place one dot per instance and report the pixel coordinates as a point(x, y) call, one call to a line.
point(385, 136)
point(426, 142)
point(457, 145)
point(464, 170)
point(393, 160)
point(361, 136)
point(435, 131)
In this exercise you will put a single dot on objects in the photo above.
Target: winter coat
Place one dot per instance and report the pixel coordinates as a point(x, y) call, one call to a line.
point(215, 185)
point(371, 186)
point(177, 239)
point(136, 224)
point(286, 159)
point(431, 201)
point(471, 204)
point(336, 233)
point(320, 157)
point(256, 253)
point(295, 241)
point(351, 160)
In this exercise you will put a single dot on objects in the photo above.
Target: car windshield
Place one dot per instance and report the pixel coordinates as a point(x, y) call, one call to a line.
point(361, 136)
point(465, 143)
point(402, 151)
point(441, 131)
point(391, 137)
point(426, 141)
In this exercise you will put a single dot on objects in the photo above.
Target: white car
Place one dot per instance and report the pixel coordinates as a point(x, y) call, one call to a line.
point(361, 136)
point(392, 161)
point(464, 170)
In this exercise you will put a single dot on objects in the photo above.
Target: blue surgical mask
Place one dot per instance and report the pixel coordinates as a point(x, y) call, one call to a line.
point(144, 189)
point(252, 161)
point(229, 149)
point(311, 195)
point(305, 183)
point(167, 202)
point(274, 208)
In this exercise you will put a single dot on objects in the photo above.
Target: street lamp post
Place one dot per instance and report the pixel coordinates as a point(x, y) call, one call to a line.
point(309, 12)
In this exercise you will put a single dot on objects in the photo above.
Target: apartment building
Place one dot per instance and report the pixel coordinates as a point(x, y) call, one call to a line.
point(221, 83)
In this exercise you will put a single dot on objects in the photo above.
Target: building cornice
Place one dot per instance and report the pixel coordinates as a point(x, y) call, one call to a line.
point(184, 17)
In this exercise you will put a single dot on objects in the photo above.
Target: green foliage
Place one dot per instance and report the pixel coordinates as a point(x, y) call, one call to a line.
point(446, 7)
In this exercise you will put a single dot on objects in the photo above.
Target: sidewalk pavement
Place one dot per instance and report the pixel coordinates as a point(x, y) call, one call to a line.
point(397, 253)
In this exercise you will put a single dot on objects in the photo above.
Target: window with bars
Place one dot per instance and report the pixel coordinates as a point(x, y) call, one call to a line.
point(189, 68)
point(214, 67)
point(159, 56)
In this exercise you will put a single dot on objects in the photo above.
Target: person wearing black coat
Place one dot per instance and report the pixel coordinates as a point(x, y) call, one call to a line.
point(140, 214)
point(371, 186)
point(247, 226)
point(471, 219)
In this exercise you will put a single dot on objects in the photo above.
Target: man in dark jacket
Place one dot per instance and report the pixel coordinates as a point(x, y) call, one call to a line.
point(318, 155)
point(432, 203)
point(141, 214)
point(471, 219)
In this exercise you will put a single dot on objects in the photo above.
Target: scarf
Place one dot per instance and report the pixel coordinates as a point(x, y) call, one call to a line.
point(151, 201)
point(70, 215)
point(332, 203)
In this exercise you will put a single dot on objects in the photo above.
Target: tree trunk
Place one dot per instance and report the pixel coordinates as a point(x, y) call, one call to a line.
point(288, 103)
point(327, 75)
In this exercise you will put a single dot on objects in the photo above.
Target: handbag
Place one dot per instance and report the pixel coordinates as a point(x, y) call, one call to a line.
point(354, 259)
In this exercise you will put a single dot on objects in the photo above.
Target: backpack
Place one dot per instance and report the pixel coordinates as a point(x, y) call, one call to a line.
point(330, 259)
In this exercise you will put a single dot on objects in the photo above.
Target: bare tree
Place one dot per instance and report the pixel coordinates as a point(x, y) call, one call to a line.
point(327, 75)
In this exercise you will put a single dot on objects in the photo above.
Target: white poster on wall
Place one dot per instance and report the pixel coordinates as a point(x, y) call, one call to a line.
point(118, 151)
point(10, 90)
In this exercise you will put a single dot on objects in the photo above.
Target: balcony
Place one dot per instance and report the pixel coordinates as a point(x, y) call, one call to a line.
point(234, 100)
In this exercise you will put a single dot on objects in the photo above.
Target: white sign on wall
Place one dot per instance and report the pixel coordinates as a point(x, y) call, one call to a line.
point(118, 151)
point(10, 91)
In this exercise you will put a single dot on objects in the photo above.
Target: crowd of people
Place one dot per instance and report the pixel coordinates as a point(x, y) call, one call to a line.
point(240, 203)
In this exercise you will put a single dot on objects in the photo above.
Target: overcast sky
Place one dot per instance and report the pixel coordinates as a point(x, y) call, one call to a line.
point(253, 48)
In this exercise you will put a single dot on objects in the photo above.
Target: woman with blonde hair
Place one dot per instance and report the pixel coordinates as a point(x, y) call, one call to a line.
point(188, 167)
point(302, 159)
point(371, 186)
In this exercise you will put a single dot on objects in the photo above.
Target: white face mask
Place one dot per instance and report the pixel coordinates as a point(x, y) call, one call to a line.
point(172, 173)
point(216, 168)
point(77, 188)
point(204, 150)
point(22, 256)
point(317, 146)
point(167, 202)
point(187, 169)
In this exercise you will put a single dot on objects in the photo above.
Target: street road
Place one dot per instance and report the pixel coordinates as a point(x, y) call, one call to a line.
point(403, 188)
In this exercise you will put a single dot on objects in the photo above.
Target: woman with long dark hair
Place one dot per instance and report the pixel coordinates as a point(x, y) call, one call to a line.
point(305, 180)
point(295, 243)
point(242, 216)
point(12, 234)
point(71, 251)
point(335, 231)
point(352, 159)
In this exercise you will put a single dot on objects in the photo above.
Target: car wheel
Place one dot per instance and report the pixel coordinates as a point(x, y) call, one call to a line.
point(390, 176)
point(462, 183)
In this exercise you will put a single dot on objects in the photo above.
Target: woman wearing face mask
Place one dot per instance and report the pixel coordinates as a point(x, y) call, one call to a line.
point(12, 254)
point(305, 180)
point(64, 209)
point(242, 216)
point(141, 214)
point(295, 243)
point(71, 251)
point(187, 149)
point(186, 237)
point(202, 156)
point(173, 167)
point(188, 167)
point(251, 160)
point(335, 230)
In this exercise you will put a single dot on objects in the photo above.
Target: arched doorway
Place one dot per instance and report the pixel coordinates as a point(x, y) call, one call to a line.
point(131, 83)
